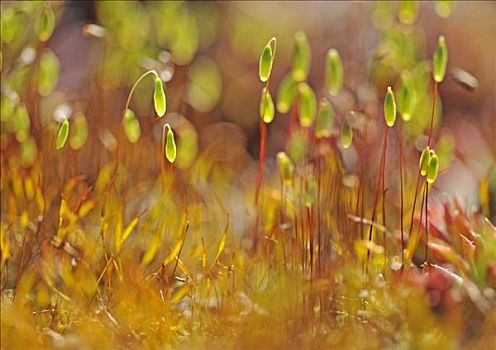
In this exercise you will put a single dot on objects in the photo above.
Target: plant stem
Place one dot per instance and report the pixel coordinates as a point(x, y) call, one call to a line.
point(434, 97)
point(263, 133)
point(319, 237)
point(435, 88)
point(376, 195)
point(401, 192)
point(364, 166)
point(383, 174)
point(261, 154)
point(426, 220)
point(128, 101)
point(421, 215)
point(359, 177)
point(414, 204)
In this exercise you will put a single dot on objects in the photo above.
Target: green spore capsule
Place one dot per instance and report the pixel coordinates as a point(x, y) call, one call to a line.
point(131, 126)
point(286, 167)
point(286, 94)
point(324, 120)
point(159, 97)
point(408, 11)
point(79, 132)
point(405, 104)
point(440, 60)
point(170, 145)
point(48, 73)
point(62, 134)
point(311, 193)
point(28, 151)
point(307, 105)
point(301, 60)
point(267, 110)
point(424, 160)
point(432, 167)
point(389, 107)
point(45, 24)
point(298, 145)
point(334, 72)
point(346, 135)
point(444, 8)
point(265, 64)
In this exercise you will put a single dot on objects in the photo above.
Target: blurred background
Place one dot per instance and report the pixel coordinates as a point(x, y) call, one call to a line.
point(207, 54)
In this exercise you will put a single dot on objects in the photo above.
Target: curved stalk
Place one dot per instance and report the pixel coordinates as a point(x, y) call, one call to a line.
point(128, 101)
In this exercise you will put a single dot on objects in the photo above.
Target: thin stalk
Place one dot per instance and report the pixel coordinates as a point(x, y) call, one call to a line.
point(435, 89)
point(359, 177)
point(384, 193)
point(401, 192)
point(310, 240)
point(426, 220)
point(434, 97)
point(376, 195)
point(364, 166)
point(128, 101)
point(319, 238)
point(261, 154)
point(421, 212)
point(414, 204)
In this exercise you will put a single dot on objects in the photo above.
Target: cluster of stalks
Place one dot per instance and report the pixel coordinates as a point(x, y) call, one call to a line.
point(297, 97)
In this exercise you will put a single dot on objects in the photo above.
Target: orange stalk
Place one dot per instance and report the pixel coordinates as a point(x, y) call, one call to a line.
point(376, 195)
point(401, 192)
point(261, 153)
